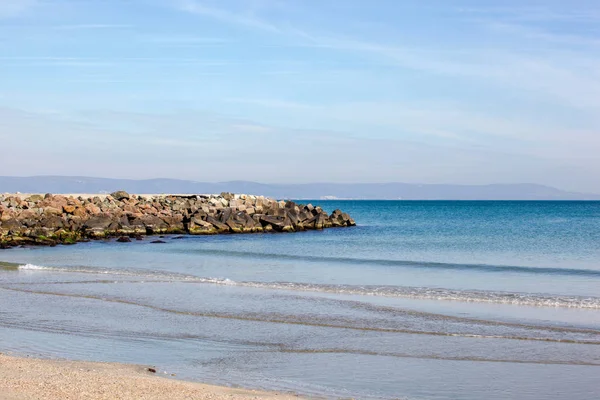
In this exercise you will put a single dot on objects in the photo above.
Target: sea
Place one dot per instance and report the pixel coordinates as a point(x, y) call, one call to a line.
point(421, 300)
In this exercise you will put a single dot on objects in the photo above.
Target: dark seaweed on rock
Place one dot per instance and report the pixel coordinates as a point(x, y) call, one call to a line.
point(52, 219)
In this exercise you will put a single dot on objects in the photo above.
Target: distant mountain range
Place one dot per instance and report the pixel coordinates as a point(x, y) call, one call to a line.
point(392, 191)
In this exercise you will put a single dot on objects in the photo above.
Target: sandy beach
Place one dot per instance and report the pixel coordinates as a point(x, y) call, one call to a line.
point(29, 379)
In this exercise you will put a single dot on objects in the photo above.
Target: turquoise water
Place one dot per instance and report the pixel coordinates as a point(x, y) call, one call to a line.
point(422, 300)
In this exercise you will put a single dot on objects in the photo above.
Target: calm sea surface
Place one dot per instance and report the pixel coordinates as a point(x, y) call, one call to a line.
point(422, 300)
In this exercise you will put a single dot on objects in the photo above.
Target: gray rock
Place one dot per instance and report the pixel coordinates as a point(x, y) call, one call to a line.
point(70, 219)
point(98, 222)
point(120, 195)
point(221, 227)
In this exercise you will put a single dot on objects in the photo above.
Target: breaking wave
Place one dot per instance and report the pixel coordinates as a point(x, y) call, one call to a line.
point(423, 293)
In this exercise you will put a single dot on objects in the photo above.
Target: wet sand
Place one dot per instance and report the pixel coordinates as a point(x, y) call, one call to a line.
point(29, 379)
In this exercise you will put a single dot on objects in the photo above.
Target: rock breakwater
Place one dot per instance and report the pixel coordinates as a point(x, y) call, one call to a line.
point(60, 219)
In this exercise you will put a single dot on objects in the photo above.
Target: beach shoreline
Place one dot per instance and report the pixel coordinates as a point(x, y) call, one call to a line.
point(24, 378)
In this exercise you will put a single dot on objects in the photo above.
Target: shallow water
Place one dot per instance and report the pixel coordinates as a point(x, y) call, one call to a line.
point(423, 300)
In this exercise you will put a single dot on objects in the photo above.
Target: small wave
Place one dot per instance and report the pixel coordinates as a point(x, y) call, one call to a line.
point(419, 293)
point(134, 273)
point(33, 267)
point(400, 263)
point(320, 321)
point(424, 293)
point(435, 357)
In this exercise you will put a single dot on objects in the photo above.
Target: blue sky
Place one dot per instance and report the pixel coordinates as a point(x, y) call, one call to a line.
point(435, 91)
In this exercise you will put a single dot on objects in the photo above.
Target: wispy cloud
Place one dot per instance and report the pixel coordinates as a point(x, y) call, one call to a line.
point(148, 81)
point(171, 39)
point(207, 138)
point(251, 128)
point(244, 19)
point(566, 77)
point(386, 87)
point(13, 8)
point(270, 103)
point(568, 12)
point(138, 62)
point(552, 73)
point(78, 27)
point(521, 31)
point(452, 124)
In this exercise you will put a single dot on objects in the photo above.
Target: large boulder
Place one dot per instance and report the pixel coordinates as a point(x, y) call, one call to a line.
point(198, 226)
point(323, 221)
point(220, 226)
point(53, 211)
point(34, 198)
point(280, 224)
point(52, 222)
point(174, 223)
point(98, 222)
point(11, 225)
point(348, 219)
point(100, 226)
point(74, 223)
point(154, 224)
point(337, 218)
point(120, 195)
point(136, 226)
point(93, 209)
point(28, 217)
point(69, 209)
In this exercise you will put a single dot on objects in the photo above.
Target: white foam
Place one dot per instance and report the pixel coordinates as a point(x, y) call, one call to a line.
point(216, 281)
point(33, 267)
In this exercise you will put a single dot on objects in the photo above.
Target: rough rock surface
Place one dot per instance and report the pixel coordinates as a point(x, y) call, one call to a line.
point(56, 219)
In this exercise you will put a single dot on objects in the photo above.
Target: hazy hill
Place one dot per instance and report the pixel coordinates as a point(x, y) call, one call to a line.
point(64, 184)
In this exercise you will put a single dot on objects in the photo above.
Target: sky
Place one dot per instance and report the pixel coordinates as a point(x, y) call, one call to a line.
point(296, 91)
